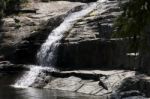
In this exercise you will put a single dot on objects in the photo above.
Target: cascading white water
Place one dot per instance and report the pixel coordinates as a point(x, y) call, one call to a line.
point(46, 55)
point(29, 77)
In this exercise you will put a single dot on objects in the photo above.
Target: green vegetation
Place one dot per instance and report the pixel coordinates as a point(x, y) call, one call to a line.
point(9, 6)
point(133, 22)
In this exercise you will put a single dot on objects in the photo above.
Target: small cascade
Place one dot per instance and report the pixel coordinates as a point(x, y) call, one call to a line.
point(46, 56)
point(29, 77)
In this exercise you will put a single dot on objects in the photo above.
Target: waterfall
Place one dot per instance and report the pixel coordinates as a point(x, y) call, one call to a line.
point(29, 77)
point(46, 56)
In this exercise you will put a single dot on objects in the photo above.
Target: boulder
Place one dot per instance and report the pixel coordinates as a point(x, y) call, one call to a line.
point(138, 82)
point(110, 84)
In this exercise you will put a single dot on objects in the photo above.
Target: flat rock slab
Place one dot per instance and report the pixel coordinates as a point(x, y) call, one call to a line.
point(75, 81)
point(69, 84)
point(111, 83)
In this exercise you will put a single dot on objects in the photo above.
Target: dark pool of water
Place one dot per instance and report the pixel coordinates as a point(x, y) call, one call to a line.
point(8, 92)
point(32, 93)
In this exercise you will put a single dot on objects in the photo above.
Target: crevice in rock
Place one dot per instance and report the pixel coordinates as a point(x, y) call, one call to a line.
point(86, 76)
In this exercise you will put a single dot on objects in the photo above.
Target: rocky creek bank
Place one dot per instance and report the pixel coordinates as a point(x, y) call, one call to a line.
point(109, 84)
point(87, 45)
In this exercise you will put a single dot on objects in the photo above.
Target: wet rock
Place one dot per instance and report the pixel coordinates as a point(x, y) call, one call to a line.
point(103, 54)
point(138, 82)
point(39, 83)
point(47, 79)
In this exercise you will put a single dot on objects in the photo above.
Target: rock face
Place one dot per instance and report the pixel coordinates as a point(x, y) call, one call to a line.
point(22, 35)
point(89, 44)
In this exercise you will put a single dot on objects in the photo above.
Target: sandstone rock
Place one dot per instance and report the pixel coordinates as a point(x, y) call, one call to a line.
point(90, 88)
point(77, 83)
point(69, 84)
point(89, 45)
point(20, 28)
point(9, 22)
point(24, 34)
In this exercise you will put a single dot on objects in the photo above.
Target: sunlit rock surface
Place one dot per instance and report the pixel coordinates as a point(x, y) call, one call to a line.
point(111, 84)
point(87, 45)
point(107, 81)
point(22, 35)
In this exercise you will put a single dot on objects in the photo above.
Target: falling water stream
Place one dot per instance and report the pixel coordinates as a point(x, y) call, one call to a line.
point(46, 55)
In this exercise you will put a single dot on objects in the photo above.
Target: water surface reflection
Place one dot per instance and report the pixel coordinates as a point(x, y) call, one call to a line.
point(8, 92)
point(32, 93)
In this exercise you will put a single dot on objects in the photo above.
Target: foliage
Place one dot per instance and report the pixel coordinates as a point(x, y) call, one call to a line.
point(132, 22)
point(9, 6)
